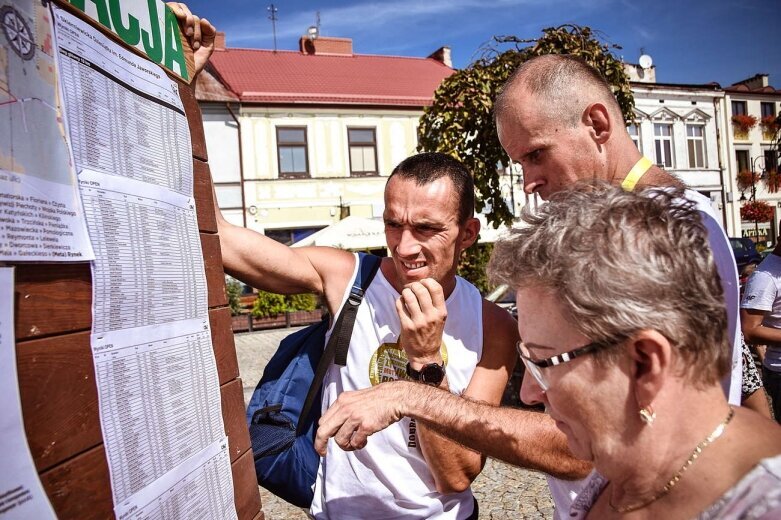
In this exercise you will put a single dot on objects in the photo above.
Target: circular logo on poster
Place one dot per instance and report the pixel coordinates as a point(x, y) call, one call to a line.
point(17, 32)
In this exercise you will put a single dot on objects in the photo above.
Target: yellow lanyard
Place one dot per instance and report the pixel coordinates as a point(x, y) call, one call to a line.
point(637, 171)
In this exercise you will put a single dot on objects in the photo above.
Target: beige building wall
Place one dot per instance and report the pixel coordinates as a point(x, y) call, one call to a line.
point(330, 191)
point(755, 143)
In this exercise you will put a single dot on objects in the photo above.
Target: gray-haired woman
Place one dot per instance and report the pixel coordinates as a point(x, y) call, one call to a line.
point(624, 339)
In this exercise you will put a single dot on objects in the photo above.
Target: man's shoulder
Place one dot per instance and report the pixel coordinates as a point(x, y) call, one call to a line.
point(467, 288)
point(761, 288)
point(701, 202)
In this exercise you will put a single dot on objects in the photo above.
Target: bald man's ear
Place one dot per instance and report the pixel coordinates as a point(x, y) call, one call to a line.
point(597, 118)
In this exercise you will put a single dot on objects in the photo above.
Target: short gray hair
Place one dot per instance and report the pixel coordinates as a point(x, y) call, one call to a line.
point(621, 262)
point(566, 84)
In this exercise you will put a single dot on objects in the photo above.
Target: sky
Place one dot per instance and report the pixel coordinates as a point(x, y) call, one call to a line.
point(690, 41)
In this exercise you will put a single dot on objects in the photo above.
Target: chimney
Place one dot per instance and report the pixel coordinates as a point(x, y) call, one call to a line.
point(326, 46)
point(442, 55)
point(219, 41)
point(756, 82)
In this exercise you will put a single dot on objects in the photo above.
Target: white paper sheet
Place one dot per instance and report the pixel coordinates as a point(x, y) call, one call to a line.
point(158, 388)
point(41, 218)
point(159, 399)
point(200, 487)
point(21, 493)
point(149, 265)
point(124, 115)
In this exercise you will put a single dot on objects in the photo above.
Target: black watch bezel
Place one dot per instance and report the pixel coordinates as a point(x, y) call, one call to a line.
point(430, 373)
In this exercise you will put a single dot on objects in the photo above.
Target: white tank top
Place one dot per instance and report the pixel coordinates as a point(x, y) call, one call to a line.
point(389, 478)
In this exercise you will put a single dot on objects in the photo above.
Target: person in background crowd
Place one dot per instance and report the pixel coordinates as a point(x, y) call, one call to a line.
point(761, 321)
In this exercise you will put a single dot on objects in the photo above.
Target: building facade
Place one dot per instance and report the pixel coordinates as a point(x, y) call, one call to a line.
point(299, 140)
point(752, 109)
point(677, 127)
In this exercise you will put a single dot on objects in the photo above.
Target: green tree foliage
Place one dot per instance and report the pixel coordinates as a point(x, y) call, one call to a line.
point(461, 120)
point(233, 288)
point(471, 267)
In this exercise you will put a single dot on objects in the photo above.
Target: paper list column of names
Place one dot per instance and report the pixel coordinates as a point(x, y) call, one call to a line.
point(158, 413)
point(198, 491)
point(160, 282)
point(116, 128)
point(156, 374)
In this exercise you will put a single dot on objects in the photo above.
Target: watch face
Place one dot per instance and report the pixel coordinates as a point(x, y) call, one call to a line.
point(432, 374)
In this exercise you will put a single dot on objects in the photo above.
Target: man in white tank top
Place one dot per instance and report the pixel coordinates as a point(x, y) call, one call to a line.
point(418, 321)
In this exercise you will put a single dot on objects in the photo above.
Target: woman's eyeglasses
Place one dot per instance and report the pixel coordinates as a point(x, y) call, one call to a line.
point(535, 366)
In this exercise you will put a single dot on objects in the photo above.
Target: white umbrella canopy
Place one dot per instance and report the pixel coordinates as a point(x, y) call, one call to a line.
point(351, 233)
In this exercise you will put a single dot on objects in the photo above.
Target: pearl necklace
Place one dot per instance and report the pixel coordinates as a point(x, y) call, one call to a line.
point(715, 434)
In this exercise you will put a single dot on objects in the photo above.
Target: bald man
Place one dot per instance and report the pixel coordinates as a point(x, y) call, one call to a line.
point(558, 118)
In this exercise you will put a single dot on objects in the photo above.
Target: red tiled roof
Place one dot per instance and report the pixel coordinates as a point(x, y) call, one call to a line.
point(287, 77)
point(742, 88)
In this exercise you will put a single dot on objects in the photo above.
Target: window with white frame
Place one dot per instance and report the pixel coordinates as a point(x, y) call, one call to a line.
point(362, 143)
point(663, 141)
point(634, 133)
point(695, 141)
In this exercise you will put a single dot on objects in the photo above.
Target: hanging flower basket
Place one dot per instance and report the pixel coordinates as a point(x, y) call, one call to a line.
point(757, 211)
point(746, 179)
point(744, 122)
point(770, 126)
point(772, 181)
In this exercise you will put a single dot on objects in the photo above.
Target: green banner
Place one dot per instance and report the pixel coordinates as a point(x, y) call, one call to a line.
point(148, 25)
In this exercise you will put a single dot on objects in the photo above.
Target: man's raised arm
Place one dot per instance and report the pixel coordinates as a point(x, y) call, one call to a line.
point(454, 466)
point(200, 33)
point(522, 438)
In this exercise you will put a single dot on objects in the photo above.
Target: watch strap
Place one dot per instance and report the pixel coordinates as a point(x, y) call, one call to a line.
point(417, 375)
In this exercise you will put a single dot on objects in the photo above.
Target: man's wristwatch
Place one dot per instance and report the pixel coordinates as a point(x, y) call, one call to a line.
point(430, 374)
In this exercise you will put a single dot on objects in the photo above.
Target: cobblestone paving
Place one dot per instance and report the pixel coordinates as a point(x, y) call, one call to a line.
point(503, 491)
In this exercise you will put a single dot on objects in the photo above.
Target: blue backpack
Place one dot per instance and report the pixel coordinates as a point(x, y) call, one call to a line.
point(285, 406)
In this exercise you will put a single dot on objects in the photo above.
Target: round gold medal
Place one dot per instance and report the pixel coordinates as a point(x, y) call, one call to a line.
point(389, 363)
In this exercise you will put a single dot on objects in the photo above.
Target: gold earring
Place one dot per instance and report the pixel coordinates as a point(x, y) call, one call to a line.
point(648, 415)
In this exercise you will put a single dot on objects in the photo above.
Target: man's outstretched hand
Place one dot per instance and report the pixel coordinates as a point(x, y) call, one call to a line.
point(356, 415)
point(199, 32)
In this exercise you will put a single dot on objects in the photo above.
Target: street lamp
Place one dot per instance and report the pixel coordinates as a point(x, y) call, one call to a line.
point(754, 189)
point(753, 173)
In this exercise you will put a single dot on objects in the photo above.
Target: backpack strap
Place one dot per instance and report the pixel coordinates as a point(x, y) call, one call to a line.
point(339, 342)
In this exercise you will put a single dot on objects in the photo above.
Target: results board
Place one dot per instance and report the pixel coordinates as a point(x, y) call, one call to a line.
point(127, 376)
